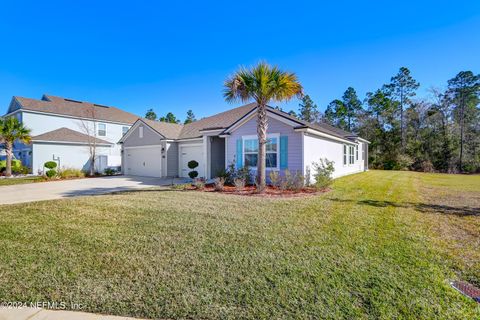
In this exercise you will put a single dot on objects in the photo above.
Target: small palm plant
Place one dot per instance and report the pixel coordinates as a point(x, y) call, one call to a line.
point(262, 84)
point(11, 130)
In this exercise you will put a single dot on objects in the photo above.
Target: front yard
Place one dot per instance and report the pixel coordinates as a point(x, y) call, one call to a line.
point(22, 180)
point(380, 245)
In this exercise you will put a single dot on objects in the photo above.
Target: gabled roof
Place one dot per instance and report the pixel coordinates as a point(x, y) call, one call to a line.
point(72, 108)
point(68, 135)
point(168, 130)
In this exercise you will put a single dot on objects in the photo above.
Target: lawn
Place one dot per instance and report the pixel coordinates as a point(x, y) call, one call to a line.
point(11, 181)
point(379, 245)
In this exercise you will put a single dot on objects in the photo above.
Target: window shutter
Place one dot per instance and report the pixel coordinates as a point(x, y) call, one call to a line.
point(239, 159)
point(283, 152)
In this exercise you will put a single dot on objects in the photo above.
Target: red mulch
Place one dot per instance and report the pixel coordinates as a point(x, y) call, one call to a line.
point(270, 192)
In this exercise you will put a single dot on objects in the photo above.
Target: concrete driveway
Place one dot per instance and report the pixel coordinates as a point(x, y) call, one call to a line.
point(71, 188)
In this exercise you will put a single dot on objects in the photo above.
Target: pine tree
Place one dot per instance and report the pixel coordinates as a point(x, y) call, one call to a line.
point(151, 115)
point(190, 117)
point(308, 110)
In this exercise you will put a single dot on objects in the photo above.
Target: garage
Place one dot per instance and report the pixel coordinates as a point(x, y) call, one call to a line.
point(143, 161)
point(189, 153)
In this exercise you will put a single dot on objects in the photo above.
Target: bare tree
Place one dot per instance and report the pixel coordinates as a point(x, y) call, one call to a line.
point(89, 128)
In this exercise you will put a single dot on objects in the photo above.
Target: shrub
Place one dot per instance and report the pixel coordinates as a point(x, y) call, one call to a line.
point(403, 162)
point(50, 164)
point(323, 173)
point(245, 174)
point(192, 164)
point(298, 182)
point(239, 183)
point(51, 173)
point(110, 171)
point(288, 180)
point(193, 174)
point(67, 173)
point(219, 183)
point(199, 184)
point(274, 178)
point(20, 169)
point(426, 166)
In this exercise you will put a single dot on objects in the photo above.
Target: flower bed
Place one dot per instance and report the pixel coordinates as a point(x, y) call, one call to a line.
point(270, 192)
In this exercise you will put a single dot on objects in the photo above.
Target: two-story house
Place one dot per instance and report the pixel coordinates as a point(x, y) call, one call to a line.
point(65, 130)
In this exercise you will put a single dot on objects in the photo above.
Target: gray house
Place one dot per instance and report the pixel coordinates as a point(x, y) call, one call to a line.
point(159, 149)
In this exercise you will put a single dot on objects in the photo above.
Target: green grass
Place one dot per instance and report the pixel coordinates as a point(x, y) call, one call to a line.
point(12, 181)
point(369, 249)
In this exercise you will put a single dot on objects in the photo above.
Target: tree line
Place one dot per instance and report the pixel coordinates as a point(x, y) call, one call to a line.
point(170, 117)
point(439, 132)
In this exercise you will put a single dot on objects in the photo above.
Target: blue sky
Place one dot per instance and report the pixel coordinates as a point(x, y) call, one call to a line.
point(174, 56)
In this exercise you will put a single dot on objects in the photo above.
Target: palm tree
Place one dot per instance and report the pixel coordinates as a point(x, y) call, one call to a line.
point(11, 130)
point(263, 84)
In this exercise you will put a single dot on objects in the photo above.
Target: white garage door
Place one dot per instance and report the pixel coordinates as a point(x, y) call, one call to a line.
point(145, 161)
point(188, 153)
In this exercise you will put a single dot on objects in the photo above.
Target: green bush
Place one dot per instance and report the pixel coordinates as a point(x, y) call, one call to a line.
point(67, 173)
point(51, 173)
point(323, 170)
point(15, 165)
point(21, 169)
point(110, 171)
point(50, 164)
point(192, 164)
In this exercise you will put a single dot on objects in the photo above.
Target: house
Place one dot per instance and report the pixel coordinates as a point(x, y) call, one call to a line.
point(63, 130)
point(159, 149)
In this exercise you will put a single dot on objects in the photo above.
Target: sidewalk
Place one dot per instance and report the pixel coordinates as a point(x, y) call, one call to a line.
point(42, 314)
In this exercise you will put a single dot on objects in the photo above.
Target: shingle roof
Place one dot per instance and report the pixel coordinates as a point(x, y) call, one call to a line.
point(67, 135)
point(168, 130)
point(73, 108)
point(221, 120)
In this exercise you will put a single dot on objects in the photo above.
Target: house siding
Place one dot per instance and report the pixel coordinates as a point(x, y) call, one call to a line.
point(150, 137)
point(319, 147)
point(295, 153)
point(42, 123)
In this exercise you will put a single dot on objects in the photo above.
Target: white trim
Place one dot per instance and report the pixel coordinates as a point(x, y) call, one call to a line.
point(63, 116)
point(71, 142)
point(324, 135)
point(270, 135)
point(146, 146)
point(212, 130)
point(249, 116)
point(189, 139)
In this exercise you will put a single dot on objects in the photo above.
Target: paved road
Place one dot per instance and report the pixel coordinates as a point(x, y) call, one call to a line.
point(70, 188)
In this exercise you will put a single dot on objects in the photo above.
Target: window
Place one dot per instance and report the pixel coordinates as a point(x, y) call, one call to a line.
point(344, 154)
point(351, 154)
point(140, 132)
point(356, 152)
point(102, 129)
point(250, 152)
point(124, 130)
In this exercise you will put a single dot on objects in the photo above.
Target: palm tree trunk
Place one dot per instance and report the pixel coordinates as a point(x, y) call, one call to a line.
point(262, 126)
point(9, 152)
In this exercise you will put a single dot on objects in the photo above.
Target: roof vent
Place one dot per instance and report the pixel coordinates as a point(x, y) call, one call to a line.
point(71, 100)
point(100, 105)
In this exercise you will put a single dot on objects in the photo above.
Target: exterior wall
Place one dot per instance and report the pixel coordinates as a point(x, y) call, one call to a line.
point(201, 158)
point(217, 155)
point(70, 156)
point(319, 147)
point(295, 153)
point(41, 123)
point(172, 159)
point(150, 137)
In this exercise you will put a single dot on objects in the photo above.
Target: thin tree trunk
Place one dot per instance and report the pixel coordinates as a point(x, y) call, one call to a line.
point(9, 152)
point(262, 126)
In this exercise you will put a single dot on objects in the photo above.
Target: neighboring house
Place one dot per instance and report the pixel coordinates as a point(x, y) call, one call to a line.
point(159, 149)
point(62, 130)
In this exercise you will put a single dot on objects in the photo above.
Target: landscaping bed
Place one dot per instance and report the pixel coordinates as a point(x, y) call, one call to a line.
point(270, 192)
